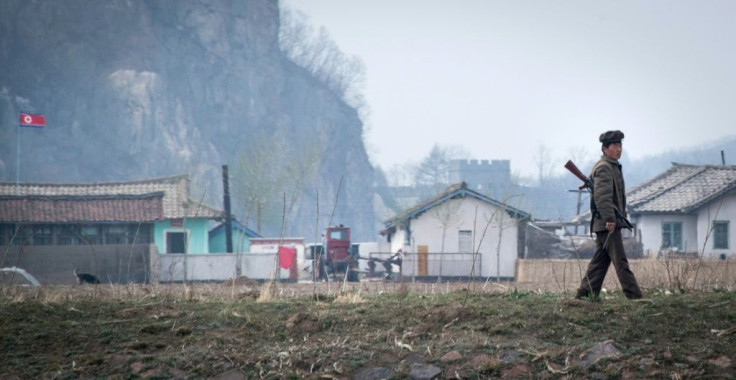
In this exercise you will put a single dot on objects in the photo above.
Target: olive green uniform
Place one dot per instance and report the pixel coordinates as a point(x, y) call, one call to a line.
point(609, 196)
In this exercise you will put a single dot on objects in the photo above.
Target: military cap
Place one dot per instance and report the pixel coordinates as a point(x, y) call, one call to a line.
point(611, 137)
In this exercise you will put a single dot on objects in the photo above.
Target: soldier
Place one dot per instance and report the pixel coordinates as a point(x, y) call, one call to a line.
point(608, 208)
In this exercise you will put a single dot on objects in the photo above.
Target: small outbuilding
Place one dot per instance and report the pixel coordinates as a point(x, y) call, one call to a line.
point(459, 233)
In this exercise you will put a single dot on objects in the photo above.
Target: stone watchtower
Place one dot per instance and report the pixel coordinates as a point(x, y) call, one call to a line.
point(492, 177)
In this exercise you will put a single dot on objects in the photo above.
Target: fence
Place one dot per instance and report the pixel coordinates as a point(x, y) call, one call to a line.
point(667, 272)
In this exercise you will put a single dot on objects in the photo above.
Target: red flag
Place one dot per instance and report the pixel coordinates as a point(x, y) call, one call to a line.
point(286, 257)
point(30, 120)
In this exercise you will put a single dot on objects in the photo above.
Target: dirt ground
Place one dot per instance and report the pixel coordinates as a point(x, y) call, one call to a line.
point(366, 330)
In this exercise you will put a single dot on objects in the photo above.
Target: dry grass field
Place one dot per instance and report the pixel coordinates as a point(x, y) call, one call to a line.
point(367, 330)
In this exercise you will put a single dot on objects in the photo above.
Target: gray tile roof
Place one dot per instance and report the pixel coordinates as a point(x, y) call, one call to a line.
point(682, 189)
point(459, 190)
point(176, 202)
point(81, 209)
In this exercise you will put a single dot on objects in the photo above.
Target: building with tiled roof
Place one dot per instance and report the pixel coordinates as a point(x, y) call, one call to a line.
point(81, 209)
point(459, 233)
point(687, 209)
point(155, 211)
point(176, 202)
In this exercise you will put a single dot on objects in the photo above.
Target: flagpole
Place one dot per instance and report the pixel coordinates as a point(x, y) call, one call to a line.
point(25, 120)
point(17, 164)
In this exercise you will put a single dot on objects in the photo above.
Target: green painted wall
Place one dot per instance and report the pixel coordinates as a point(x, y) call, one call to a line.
point(197, 229)
point(241, 241)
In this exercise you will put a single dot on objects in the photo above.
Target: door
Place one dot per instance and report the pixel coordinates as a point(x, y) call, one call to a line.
point(176, 242)
point(422, 260)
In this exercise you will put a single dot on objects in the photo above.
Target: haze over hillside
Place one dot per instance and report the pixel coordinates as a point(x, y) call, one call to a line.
point(136, 89)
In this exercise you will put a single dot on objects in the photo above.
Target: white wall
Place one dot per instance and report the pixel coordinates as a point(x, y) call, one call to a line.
point(183, 267)
point(271, 246)
point(650, 228)
point(695, 228)
point(397, 241)
point(723, 209)
point(467, 214)
point(215, 267)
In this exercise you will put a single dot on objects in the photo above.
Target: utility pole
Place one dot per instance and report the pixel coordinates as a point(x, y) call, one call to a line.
point(228, 214)
point(579, 204)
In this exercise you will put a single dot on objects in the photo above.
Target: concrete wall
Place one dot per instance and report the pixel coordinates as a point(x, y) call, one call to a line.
point(55, 264)
point(216, 267)
point(558, 275)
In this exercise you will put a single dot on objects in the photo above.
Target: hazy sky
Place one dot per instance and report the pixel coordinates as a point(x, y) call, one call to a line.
point(502, 78)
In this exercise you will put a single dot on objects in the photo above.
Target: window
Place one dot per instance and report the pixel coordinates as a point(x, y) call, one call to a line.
point(176, 242)
point(24, 235)
point(67, 235)
point(90, 235)
point(6, 233)
point(141, 234)
point(338, 235)
point(116, 234)
point(465, 241)
point(720, 235)
point(672, 235)
point(42, 234)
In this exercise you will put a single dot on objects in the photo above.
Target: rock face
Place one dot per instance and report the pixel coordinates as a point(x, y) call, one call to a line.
point(135, 89)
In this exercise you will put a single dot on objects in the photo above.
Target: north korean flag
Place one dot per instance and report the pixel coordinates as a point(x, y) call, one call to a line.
point(30, 120)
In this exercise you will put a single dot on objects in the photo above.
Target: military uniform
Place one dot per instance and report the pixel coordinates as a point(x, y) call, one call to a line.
point(608, 198)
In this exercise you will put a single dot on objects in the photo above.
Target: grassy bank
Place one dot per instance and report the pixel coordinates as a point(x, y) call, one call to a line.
point(87, 332)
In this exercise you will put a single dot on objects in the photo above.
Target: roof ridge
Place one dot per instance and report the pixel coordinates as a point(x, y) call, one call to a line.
point(667, 173)
point(457, 188)
point(172, 178)
point(727, 186)
point(153, 194)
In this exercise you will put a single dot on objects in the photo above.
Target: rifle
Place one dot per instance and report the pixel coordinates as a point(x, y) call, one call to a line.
point(588, 183)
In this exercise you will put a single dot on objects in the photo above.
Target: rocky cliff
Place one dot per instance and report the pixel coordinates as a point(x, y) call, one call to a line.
point(135, 89)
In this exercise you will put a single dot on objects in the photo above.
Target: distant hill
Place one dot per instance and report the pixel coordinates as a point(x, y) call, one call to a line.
point(640, 170)
point(141, 89)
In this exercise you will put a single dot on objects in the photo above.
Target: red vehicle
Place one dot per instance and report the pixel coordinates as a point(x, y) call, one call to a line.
point(338, 255)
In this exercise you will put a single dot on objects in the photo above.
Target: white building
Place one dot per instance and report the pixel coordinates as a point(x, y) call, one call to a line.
point(686, 209)
point(459, 233)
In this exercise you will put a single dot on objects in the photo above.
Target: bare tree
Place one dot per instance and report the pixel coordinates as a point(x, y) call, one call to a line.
point(256, 183)
point(544, 163)
point(316, 52)
point(447, 214)
point(400, 181)
point(580, 155)
point(262, 179)
point(432, 173)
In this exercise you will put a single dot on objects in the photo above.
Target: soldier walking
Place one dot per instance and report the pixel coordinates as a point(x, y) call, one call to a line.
point(608, 206)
